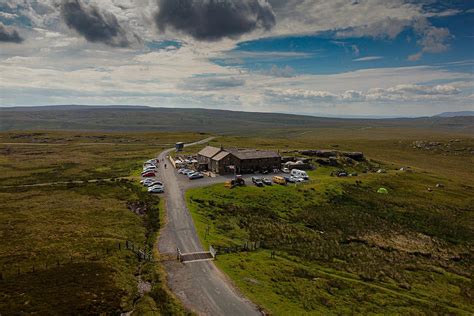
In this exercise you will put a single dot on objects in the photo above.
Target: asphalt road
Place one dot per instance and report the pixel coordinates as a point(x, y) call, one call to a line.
point(200, 285)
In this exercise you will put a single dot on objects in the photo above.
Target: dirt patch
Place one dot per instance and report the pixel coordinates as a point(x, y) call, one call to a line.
point(416, 244)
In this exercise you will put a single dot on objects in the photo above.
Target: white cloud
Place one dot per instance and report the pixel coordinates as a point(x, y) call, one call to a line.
point(300, 94)
point(404, 92)
point(368, 58)
point(8, 16)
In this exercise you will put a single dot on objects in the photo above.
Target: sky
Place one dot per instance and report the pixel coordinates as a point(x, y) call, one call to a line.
point(368, 58)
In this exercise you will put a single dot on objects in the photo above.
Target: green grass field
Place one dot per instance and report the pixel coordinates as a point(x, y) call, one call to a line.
point(342, 248)
point(59, 252)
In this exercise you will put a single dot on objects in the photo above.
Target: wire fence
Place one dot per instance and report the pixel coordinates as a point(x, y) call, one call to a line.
point(245, 247)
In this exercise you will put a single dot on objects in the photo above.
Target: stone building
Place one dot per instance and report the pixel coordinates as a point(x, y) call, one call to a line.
point(234, 160)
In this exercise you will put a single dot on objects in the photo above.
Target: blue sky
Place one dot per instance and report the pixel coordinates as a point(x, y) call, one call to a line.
point(337, 58)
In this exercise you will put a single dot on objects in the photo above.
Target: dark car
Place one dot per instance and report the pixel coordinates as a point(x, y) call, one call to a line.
point(267, 181)
point(257, 181)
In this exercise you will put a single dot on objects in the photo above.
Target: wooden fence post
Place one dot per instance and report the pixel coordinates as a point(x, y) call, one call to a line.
point(179, 255)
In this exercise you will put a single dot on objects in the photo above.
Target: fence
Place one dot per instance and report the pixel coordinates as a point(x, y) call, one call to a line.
point(96, 255)
point(248, 246)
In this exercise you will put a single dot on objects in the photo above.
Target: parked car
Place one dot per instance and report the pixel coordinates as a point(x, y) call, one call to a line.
point(189, 172)
point(148, 174)
point(340, 173)
point(150, 168)
point(267, 181)
point(290, 179)
point(154, 183)
point(285, 170)
point(279, 180)
point(257, 181)
point(156, 189)
point(195, 175)
point(299, 174)
point(181, 170)
point(147, 181)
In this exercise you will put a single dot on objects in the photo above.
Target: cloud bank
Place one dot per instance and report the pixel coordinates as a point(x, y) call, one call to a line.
point(94, 24)
point(212, 20)
point(403, 92)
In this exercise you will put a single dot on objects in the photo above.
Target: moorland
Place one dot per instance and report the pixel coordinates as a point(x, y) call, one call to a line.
point(333, 245)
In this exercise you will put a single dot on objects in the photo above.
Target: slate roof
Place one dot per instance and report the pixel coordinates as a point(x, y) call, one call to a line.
point(220, 156)
point(244, 154)
point(209, 151)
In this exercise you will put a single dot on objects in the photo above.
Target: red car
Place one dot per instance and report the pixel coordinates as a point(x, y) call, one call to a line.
point(148, 174)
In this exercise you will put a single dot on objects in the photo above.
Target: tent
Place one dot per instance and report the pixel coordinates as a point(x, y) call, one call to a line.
point(382, 190)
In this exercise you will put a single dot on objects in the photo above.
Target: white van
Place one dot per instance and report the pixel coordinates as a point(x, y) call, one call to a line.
point(299, 174)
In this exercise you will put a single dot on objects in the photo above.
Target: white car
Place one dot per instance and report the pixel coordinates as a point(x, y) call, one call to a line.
point(189, 172)
point(299, 174)
point(154, 183)
point(147, 181)
point(183, 170)
point(156, 189)
point(149, 168)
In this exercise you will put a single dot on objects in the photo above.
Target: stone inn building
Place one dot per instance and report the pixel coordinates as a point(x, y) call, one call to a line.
point(230, 160)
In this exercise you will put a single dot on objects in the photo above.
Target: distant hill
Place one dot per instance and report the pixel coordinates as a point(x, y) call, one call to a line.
point(455, 114)
point(141, 118)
